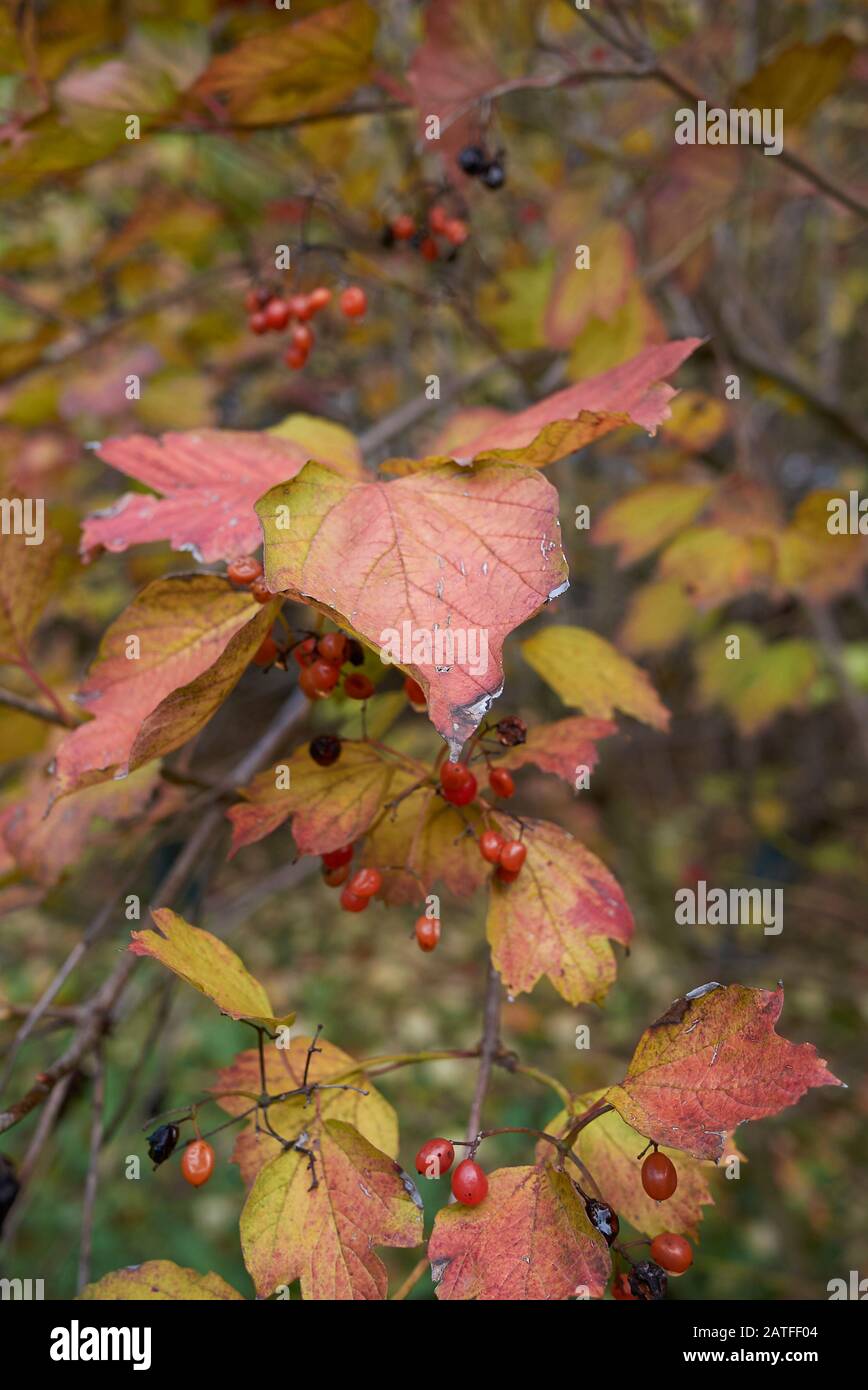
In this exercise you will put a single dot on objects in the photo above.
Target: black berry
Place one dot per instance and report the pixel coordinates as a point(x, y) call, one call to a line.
point(161, 1143)
point(355, 652)
point(472, 160)
point(603, 1219)
point(511, 731)
point(325, 749)
point(494, 176)
point(648, 1281)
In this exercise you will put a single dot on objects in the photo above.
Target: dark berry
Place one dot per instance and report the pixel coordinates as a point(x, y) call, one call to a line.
point(511, 731)
point(472, 160)
point(494, 176)
point(161, 1143)
point(648, 1281)
point(603, 1219)
point(325, 749)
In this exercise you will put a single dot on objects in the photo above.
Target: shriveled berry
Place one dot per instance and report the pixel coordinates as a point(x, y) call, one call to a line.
point(161, 1144)
point(336, 858)
point(648, 1281)
point(366, 882)
point(358, 686)
point(435, 1158)
point(469, 1183)
point(353, 902)
point(490, 845)
point(511, 731)
point(672, 1252)
point(501, 782)
point(427, 932)
point(243, 570)
point(659, 1176)
point(197, 1165)
point(325, 749)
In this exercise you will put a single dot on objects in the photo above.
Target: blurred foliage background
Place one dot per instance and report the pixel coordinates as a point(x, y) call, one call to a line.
point(133, 256)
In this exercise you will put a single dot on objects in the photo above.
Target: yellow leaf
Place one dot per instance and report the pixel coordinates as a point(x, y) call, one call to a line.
point(588, 673)
point(647, 517)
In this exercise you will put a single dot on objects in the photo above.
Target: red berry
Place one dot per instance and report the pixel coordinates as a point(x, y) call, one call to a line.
point(437, 217)
point(276, 314)
point(318, 299)
point(335, 877)
point(300, 307)
point(469, 1183)
point(301, 338)
point(243, 570)
point(428, 248)
point(353, 902)
point(464, 793)
point(659, 1176)
point(336, 858)
point(414, 692)
point(258, 323)
point(266, 652)
point(254, 300)
point(332, 646)
point(358, 686)
point(305, 652)
point(456, 232)
point(490, 845)
point(427, 932)
point(621, 1291)
point(506, 875)
point(501, 782)
point(295, 358)
point(366, 882)
point(435, 1158)
point(260, 591)
point(454, 774)
point(353, 302)
point(309, 685)
point(671, 1252)
point(403, 227)
point(512, 856)
point(325, 675)
point(197, 1165)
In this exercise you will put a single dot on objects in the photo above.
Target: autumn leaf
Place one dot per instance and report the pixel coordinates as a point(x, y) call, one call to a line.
point(196, 636)
point(448, 89)
point(762, 682)
point(714, 565)
point(26, 581)
point(658, 616)
point(331, 806)
point(209, 965)
point(530, 1239)
point(561, 748)
point(587, 672)
point(609, 1148)
point(160, 1280)
point(557, 918)
point(440, 566)
point(711, 1062)
point(292, 68)
point(632, 393)
point(648, 517)
point(362, 1106)
point(799, 79)
point(325, 1235)
point(210, 481)
point(580, 295)
point(425, 840)
point(813, 561)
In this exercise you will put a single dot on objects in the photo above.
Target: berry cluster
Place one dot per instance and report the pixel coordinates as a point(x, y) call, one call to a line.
point(440, 234)
point(272, 313)
point(474, 162)
point(670, 1253)
point(321, 660)
point(508, 855)
point(469, 1183)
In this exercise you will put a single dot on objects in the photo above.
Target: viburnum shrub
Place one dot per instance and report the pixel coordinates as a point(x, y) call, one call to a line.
point(395, 611)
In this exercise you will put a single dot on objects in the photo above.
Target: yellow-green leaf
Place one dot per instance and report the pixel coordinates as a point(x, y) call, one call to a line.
point(589, 674)
point(160, 1281)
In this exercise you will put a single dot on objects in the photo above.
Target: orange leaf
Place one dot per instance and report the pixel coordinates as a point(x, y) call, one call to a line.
point(560, 748)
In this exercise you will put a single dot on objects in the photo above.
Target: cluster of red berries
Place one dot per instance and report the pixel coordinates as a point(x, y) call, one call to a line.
point(508, 855)
point(358, 890)
point(321, 660)
point(272, 313)
point(469, 1183)
point(197, 1163)
point(428, 239)
point(474, 162)
point(459, 786)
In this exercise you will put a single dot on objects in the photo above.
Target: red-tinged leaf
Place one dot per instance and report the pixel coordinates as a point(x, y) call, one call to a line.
point(633, 393)
point(209, 965)
point(26, 578)
point(530, 1239)
point(561, 748)
point(711, 1062)
point(160, 1281)
point(587, 672)
point(296, 67)
point(210, 481)
point(450, 558)
point(448, 73)
point(608, 1147)
point(187, 626)
point(557, 918)
point(330, 806)
point(326, 1236)
point(433, 842)
point(649, 516)
point(363, 1106)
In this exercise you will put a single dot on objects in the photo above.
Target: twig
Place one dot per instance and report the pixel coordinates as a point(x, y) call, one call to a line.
point(90, 1182)
point(488, 1049)
point(33, 707)
point(411, 1281)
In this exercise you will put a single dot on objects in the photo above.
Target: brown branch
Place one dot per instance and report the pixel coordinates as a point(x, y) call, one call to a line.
point(489, 1048)
point(32, 707)
point(88, 1204)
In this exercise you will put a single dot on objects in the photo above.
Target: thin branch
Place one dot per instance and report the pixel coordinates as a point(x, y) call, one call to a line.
point(90, 1183)
point(32, 707)
point(488, 1049)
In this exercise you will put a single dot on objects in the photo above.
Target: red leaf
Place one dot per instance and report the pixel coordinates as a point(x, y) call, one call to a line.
point(210, 481)
point(560, 748)
point(712, 1061)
